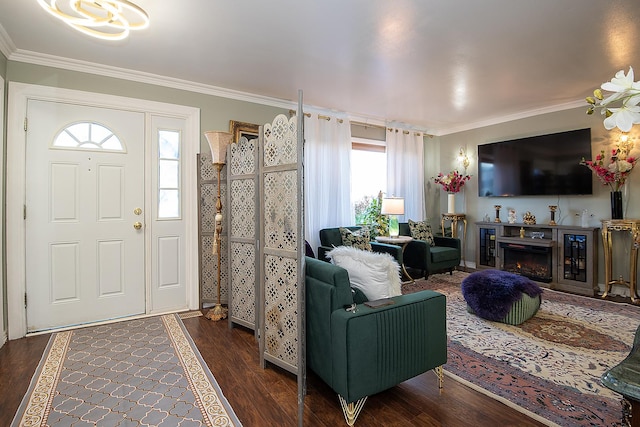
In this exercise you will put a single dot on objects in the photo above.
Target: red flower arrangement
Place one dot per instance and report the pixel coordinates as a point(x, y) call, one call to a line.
point(451, 182)
point(615, 172)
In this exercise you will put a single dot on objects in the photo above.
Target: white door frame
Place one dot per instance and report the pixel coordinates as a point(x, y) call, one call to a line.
point(19, 94)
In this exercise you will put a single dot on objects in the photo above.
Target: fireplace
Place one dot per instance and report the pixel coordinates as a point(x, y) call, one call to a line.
point(532, 261)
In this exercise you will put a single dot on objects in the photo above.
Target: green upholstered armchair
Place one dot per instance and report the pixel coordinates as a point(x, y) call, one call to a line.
point(372, 349)
point(445, 255)
point(330, 238)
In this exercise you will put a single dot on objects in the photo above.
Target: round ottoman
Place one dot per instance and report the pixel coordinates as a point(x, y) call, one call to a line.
point(501, 296)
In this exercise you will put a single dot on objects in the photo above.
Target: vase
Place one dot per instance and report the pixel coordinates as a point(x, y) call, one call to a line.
point(616, 205)
point(451, 203)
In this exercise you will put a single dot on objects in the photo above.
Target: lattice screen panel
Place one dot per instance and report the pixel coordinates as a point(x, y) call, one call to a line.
point(207, 193)
point(281, 273)
point(243, 231)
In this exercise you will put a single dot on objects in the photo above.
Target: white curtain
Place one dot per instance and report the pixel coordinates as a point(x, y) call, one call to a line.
point(327, 175)
point(405, 171)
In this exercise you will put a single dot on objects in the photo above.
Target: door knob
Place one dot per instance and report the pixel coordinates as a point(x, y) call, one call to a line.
point(137, 225)
point(137, 211)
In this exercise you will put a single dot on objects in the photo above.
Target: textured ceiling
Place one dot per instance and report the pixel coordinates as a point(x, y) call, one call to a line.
point(441, 66)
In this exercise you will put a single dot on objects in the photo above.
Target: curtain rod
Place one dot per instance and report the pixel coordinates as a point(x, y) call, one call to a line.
point(320, 116)
point(406, 132)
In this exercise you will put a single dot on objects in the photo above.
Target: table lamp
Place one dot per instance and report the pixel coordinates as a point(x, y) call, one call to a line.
point(393, 206)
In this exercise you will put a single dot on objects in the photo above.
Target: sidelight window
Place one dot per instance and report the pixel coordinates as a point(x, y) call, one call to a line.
point(169, 174)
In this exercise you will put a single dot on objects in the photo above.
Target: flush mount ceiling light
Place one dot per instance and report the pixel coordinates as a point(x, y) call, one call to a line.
point(103, 19)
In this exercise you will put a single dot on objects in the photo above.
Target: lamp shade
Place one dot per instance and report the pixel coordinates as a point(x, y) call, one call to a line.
point(218, 142)
point(392, 206)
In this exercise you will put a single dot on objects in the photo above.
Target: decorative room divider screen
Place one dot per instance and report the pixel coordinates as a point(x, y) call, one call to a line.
point(207, 193)
point(244, 229)
point(263, 260)
point(282, 294)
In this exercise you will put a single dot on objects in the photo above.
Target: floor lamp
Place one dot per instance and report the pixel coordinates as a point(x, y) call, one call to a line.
point(218, 142)
point(393, 206)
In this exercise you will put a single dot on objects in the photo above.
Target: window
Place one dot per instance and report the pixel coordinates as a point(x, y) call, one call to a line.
point(168, 174)
point(88, 136)
point(368, 173)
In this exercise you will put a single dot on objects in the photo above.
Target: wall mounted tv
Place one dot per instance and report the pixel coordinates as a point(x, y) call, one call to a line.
point(543, 165)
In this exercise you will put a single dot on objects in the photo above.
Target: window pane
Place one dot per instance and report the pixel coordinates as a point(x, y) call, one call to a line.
point(112, 143)
point(168, 204)
point(368, 178)
point(169, 144)
point(169, 174)
point(65, 140)
point(368, 173)
point(99, 133)
point(88, 136)
point(80, 131)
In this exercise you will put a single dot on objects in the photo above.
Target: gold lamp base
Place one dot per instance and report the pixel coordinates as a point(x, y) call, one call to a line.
point(218, 312)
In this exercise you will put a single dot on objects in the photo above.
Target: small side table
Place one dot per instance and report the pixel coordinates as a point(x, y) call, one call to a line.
point(454, 218)
point(632, 226)
point(399, 241)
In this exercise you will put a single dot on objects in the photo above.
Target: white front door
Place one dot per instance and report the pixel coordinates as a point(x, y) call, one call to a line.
point(85, 214)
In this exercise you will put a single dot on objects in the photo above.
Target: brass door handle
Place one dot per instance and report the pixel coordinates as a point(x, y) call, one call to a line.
point(137, 225)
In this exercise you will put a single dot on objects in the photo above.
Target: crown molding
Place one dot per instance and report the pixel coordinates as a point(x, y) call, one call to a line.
point(6, 44)
point(143, 77)
point(511, 117)
point(9, 50)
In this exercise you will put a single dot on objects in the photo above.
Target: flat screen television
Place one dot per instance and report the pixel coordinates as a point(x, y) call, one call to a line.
point(543, 165)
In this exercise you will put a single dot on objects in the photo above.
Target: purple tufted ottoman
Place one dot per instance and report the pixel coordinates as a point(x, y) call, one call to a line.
point(501, 296)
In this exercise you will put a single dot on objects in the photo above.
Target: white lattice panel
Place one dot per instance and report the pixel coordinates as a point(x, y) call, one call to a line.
point(281, 207)
point(243, 157)
point(281, 308)
point(243, 282)
point(243, 208)
point(243, 179)
point(280, 141)
point(209, 272)
point(280, 236)
point(207, 171)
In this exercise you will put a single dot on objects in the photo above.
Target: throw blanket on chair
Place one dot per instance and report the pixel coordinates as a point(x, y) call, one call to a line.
point(492, 293)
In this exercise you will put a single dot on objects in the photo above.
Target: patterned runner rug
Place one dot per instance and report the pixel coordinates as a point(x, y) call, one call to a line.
point(138, 372)
point(550, 366)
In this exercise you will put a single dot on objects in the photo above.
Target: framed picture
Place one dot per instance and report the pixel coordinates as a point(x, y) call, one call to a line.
point(240, 129)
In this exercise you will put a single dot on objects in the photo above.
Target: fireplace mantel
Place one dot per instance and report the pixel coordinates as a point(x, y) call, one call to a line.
point(574, 257)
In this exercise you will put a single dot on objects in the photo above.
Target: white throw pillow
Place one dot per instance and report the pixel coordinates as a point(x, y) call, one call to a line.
point(377, 275)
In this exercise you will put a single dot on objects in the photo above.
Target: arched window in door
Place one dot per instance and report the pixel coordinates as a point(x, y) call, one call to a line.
point(88, 136)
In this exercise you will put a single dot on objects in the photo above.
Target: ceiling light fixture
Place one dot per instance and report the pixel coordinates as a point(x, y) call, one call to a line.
point(103, 19)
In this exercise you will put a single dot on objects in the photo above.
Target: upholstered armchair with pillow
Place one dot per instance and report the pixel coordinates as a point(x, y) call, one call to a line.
point(353, 236)
point(360, 350)
point(429, 253)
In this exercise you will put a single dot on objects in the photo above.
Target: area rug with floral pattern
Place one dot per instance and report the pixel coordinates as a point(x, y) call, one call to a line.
point(550, 366)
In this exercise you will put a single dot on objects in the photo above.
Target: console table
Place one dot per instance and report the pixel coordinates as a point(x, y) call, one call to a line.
point(633, 227)
point(454, 218)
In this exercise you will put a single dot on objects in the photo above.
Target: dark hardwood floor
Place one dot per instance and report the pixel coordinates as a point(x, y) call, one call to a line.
point(268, 397)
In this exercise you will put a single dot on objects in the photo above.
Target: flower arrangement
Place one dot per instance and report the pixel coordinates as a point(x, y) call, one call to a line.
point(451, 182)
point(613, 173)
point(626, 93)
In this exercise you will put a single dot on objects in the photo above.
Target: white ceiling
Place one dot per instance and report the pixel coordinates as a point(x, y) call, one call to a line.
point(440, 66)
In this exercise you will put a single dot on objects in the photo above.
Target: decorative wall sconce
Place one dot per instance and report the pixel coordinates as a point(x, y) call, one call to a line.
point(218, 142)
point(463, 159)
